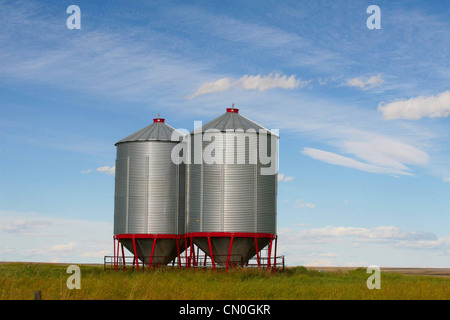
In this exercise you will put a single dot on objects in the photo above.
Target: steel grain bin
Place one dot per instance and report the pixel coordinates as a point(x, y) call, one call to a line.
point(231, 206)
point(149, 211)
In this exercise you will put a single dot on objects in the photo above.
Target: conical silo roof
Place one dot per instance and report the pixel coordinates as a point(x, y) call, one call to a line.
point(157, 131)
point(233, 120)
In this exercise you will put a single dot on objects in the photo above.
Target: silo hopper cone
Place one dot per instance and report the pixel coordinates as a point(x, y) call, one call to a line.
point(243, 249)
point(164, 252)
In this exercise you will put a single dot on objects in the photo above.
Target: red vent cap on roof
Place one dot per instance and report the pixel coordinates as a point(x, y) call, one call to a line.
point(233, 109)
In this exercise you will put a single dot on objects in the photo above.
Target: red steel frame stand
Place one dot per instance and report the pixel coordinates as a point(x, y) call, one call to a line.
point(190, 259)
point(133, 237)
point(233, 235)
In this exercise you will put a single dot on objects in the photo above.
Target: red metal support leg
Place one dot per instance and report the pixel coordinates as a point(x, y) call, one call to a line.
point(135, 254)
point(123, 257)
point(257, 252)
point(118, 255)
point(151, 255)
point(211, 253)
point(275, 255)
point(198, 255)
point(229, 253)
point(114, 258)
point(190, 252)
point(269, 254)
point(185, 253)
point(194, 260)
point(178, 253)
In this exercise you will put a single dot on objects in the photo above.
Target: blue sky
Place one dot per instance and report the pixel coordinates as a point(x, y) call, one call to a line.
point(363, 117)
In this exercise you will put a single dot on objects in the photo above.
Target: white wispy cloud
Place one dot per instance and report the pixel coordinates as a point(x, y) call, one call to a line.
point(249, 82)
point(438, 243)
point(355, 137)
point(347, 243)
point(107, 169)
point(63, 247)
point(365, 84)
point(319, 263)
point(379, 233)
point(96, 254)
point(23, 226)
point(340, 160)
point(38, 237)
point(301, 204)
point(323, 254)
point(109, 62)
point(98, 71)
point(86, 171)
point(417, 108)
point(247, 37)
point(216, 86)
point(282, 177)
point(446, 179)
point(273, 80)
point(374, 153)
point(386, 152)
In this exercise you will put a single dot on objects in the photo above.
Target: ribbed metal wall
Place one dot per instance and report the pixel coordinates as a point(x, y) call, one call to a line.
point(231, 197)
point(149, 192)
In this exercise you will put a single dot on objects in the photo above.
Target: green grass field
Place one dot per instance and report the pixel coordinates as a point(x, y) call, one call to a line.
point(20, 280)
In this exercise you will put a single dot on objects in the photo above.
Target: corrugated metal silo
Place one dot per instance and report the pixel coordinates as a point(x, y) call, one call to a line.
point(149, 211)
point(231, 207)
